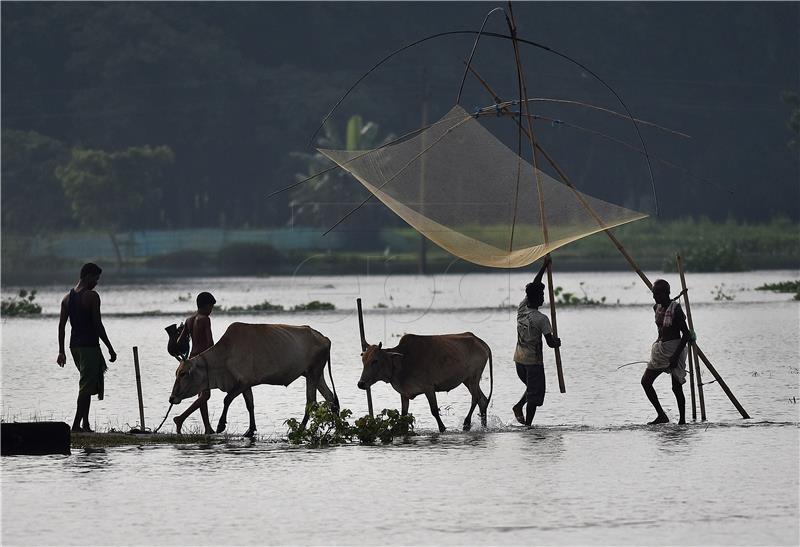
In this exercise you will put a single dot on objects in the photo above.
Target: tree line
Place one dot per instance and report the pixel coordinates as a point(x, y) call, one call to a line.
point(177, 115)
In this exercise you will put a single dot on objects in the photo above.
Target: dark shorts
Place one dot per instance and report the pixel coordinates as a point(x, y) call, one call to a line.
point(92, 366)
point(533, 377)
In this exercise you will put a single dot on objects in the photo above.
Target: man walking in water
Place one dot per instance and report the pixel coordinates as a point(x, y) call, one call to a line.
point(82, 307)
point(198, 327)
point(531, 326)
point(668, 352)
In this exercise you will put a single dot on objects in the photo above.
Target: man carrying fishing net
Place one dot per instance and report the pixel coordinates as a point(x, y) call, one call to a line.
point(668, 353)
point(531, 326)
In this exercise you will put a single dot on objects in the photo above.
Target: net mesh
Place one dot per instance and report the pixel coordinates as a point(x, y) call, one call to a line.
point(466, 191)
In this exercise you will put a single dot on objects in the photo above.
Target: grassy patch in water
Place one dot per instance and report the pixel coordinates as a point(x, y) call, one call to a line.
point(783, 286)
point(110, 439)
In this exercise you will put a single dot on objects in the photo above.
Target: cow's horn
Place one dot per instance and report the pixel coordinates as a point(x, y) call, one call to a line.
point(380, 345)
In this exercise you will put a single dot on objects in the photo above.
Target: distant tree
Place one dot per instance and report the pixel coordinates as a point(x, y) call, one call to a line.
point(322, 201)
point(793, 100)
point(33, 199)
point(110, 191)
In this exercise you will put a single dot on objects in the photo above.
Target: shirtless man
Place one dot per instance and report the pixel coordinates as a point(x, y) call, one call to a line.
point(668, 352)
point(198, 325)
point(531, 326)
point(82, 307)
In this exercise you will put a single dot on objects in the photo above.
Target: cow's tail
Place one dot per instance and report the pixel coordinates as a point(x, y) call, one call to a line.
point(491, 374)
point(333, 386)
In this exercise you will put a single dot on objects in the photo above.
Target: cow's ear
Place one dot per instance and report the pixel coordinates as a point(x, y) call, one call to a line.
point(397, 359)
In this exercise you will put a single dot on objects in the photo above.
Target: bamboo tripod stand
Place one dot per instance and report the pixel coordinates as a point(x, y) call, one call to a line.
point(695, 352)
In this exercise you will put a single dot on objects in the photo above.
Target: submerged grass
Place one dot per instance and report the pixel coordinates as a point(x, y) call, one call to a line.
point(110, 439)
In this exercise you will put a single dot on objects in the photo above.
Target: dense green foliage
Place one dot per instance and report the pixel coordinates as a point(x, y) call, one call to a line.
point(386, 426)
point(326, 427)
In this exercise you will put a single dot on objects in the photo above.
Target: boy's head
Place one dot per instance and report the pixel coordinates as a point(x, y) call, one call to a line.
point(90, 274)
point(661, 292)
point(535, 294)
point(205, 302)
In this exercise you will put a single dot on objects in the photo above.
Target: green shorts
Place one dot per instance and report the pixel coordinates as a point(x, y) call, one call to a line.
point(92, 366)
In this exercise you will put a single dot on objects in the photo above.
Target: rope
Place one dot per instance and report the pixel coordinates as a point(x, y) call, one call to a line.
point(164, 420)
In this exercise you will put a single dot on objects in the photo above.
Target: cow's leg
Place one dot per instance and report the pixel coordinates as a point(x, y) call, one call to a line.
point(223, 419)
point(326, 392)
point(312, 382)
point(404, 405)
point(474, 392)
point(248, 402)
point(431, 395)
point(483, 406)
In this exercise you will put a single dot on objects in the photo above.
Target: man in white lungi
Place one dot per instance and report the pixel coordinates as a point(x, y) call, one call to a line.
point(669, 351)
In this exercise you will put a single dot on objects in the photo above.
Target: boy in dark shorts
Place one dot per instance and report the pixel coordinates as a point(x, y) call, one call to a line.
point(531, 326)
point(198, 327)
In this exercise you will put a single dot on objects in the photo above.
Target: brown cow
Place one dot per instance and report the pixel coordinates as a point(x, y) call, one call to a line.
point(248, 355)
point(427, 364)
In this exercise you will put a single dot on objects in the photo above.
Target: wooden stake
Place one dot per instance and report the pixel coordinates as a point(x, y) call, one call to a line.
point(692, 357)
point(692, 347)
point(138, 386)
point(363, 348)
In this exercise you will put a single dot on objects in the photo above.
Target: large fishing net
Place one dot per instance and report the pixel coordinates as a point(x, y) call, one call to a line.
point(466, 191)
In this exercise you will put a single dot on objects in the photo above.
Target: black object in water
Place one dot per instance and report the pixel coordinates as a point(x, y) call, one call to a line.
point(34, 438)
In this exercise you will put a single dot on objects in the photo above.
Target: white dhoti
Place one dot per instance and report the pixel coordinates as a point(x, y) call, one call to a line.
point(660, 355)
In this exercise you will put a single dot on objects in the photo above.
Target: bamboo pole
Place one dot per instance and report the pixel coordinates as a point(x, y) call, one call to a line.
point(138, 387)
point(722, 383)
point(363, 348)
point(692, 357)
point(537, 174)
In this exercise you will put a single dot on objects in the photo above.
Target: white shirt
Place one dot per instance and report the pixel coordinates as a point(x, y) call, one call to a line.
point(531, 326)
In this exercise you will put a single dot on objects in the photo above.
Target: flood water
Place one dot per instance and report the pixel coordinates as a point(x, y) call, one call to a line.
point(588, 473)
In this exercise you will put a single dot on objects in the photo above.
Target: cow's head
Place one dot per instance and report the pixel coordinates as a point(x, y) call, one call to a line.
point(191, 377)
point(379, 365)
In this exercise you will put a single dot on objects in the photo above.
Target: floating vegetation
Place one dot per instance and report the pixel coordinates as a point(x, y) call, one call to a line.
point(263, 306)
point(571, 299)
point(385, 426)
point(326, 427)
point(381, 305)
point(783, 286)
point(720, 295)
point(314, 305)
point(22, 304)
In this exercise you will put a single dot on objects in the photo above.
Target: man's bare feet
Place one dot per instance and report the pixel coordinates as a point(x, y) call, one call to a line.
point(661, 419)
point(518, 414)
point(178, 424)
point(682, 421)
